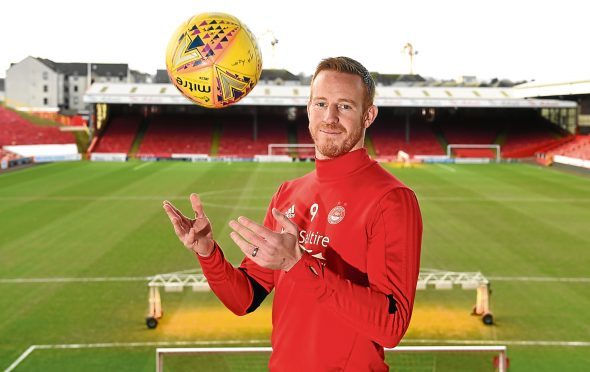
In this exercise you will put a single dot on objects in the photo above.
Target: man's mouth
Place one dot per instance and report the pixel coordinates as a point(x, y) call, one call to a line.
point(330, 131)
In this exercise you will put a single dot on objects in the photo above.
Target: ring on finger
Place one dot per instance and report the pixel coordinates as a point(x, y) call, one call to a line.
point(254, 251)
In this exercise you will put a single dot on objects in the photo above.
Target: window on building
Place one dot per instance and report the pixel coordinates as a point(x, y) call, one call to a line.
point(45, 75)
point(75, 88)
point(75, 100)
point(45, 88)
point(45, 101)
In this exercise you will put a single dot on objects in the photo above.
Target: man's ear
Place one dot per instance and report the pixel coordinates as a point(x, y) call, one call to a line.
point(370, 116)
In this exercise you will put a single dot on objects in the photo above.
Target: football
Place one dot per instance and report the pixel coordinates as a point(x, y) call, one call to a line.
point(213, 59)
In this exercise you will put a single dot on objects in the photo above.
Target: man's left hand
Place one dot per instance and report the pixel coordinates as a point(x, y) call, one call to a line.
point(269, 249)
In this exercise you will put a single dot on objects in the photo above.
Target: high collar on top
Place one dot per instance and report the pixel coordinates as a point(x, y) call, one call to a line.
point(342, 166)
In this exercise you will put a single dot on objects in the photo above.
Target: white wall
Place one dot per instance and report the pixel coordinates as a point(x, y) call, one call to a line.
point(31, 84)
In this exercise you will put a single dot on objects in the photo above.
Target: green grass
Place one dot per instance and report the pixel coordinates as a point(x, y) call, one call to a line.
point(86, 220)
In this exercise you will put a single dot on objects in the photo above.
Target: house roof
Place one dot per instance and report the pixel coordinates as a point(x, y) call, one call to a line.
point(391, 79)
point(81, 68)
point(274, 74)
point(162, 77)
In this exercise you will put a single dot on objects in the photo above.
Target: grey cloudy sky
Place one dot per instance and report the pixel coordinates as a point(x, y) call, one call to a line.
point(519, 40)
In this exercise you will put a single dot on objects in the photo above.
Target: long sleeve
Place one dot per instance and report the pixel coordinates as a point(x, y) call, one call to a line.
point(241, 289)
point(382, 310)
point(229, 284)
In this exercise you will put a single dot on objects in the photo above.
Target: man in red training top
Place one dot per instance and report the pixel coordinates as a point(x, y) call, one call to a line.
point(340, 245)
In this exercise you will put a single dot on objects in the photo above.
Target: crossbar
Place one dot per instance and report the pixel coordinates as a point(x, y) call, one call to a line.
point(499, 349)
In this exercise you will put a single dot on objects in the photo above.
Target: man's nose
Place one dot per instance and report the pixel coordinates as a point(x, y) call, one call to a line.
point(331, 114)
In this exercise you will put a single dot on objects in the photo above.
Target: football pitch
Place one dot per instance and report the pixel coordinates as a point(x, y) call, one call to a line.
point(78, 242)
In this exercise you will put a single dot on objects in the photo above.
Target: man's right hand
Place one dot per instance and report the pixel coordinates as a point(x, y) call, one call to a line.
point(196, 234)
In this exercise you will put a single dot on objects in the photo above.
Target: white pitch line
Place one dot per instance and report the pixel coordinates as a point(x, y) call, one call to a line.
point(504, 199)
point(211, 193)
point(502, 342)
point(241, 342)
point(150, 343)
point(537, 279)
point(143, 165)
point(128, 344)
point(447, 167)
point(146, 278)
point(20, 358)
point(73, 280)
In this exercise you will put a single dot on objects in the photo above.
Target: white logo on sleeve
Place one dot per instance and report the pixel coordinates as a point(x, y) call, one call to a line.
point(290, 212)
point(336, 215)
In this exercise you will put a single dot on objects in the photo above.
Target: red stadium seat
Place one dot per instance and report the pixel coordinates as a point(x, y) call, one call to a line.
point(14, 130)
point(118, 136)
point(177, 134)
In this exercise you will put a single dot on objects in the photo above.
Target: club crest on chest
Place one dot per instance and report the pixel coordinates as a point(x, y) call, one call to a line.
point(336, 215)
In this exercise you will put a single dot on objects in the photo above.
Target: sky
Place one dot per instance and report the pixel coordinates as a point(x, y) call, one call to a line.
point(545, 41)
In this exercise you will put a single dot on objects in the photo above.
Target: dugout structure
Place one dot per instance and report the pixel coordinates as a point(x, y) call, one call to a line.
point(433, 279)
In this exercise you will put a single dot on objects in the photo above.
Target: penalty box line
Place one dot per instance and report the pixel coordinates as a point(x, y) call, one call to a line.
point(538, 279)
point(74, 280)
point(32, 348)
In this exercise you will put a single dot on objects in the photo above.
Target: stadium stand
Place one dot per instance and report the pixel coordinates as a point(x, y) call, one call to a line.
point(231, 134)
point(237, 138)
point(176, 134)
point(303, 137)
point(389, 137)
point(470, 131)
point(578, 147)
point(14, 130)
point(527, 137)
point(521, 134)
point(119, 134)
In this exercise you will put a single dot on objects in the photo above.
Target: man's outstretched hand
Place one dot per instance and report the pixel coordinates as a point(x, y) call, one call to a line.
point(273, 250)
point(196, 234)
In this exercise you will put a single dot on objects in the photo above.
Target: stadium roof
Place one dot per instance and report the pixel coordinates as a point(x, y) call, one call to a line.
point(81, 68)
point(535, 89)
point(276, 95)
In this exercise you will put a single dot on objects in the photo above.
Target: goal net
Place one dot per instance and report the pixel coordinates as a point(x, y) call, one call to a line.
point(294, 150)
point(401, 358)
point(478, 152)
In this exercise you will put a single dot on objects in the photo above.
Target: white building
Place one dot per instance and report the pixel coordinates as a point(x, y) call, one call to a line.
point(1, 90)
point(43, 85)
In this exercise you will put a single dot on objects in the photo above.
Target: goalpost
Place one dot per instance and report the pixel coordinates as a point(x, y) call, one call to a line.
point(255, 358)
point(452, 147)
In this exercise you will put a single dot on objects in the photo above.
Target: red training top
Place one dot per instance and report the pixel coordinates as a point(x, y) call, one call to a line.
point(352, 292)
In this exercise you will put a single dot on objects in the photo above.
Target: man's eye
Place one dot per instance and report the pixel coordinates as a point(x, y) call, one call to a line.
point(344, 106)
point(321, 104)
